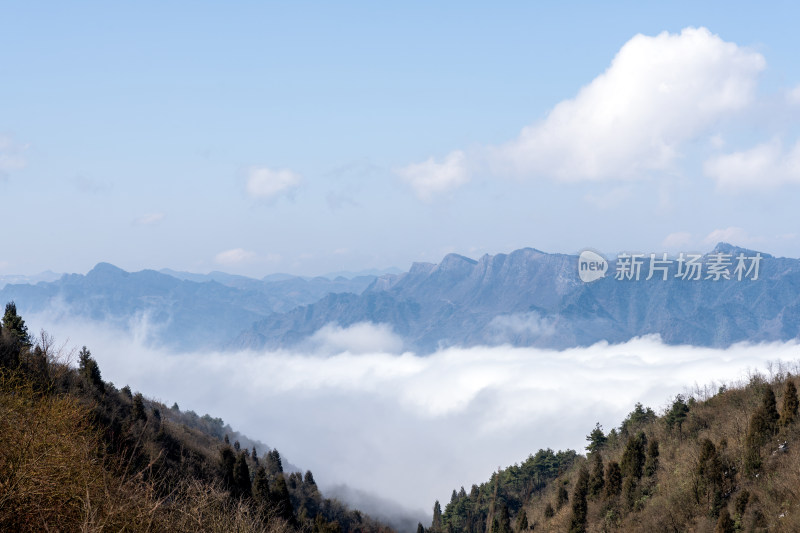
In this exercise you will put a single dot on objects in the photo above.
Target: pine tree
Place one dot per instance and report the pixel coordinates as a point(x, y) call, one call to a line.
point(562, 497)
point(309, 479)
point(281, 501)
point(677, 414)
point(580, 507)
point(549, 512)
point(709, 477)
point(597, 439)
point(436, 523)
point(597, 481)
point(137, 411)
point(613, 479)
point(763, 424)
point(273, 463)
point(634, 456)
point(241, 477)
point(261, 488)
point(227, 460)
point(651, 463)
point(770, 406)
point(420, 528)
point(790, 404)
point(89, 369)
point(14, 326)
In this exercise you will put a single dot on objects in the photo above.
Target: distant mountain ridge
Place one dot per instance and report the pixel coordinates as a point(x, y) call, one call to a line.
point(182, 314)
point(523, 298)
point(532, 298)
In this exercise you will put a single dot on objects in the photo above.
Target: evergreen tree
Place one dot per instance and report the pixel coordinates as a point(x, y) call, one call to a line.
point(281, 500)
point(241, 477)
point(651, 463)
point(227, 460)
point(597, 439)
point(549, 512)
point(420, 529)
point(502, 522)
point(763, 424)
point(790, 404)
point(597, 481)
point(15, 327)
point(677, 414)
point(254, 454)
point(634, 456)
point(236, 446)
point(89, 369)
point(261, 488)
point(436, 523)
point(137, 411)
point(770, 406)
point(562, 497)
point(273, 463)
point(709, 477)
point(613, 479)
point(309, 479)
point(580, 507)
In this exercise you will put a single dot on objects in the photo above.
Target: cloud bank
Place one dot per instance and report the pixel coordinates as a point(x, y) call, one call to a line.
point(411, 428)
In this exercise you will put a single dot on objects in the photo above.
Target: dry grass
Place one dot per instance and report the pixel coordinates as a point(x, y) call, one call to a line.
point(53, 477)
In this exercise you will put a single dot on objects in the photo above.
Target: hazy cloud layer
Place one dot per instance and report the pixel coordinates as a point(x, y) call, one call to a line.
point(412, 428)
point(11, 155)
point(765, 166)
point(149, 219)
point(234, 256)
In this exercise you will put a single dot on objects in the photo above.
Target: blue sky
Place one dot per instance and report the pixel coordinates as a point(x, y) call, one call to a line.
point(258, 137)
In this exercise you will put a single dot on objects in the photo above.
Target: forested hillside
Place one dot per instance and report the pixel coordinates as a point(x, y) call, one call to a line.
point(79, 454)
point(722, 461)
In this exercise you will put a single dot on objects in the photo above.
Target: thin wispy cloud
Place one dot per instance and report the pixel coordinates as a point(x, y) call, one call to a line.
point(763, 167)
point(234, 256)
point(149, 219)
point(265, 183)
point(12, 155)
point(432, 177)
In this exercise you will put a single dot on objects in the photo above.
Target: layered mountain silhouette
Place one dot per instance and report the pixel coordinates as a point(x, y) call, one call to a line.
point(524, 298)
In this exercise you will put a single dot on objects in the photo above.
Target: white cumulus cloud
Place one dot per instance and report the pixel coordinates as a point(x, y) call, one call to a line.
point(265, 183)
point(432, 177)
point(658, 93)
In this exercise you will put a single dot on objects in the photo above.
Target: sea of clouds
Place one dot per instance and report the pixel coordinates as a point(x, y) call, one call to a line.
point(356, 410)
